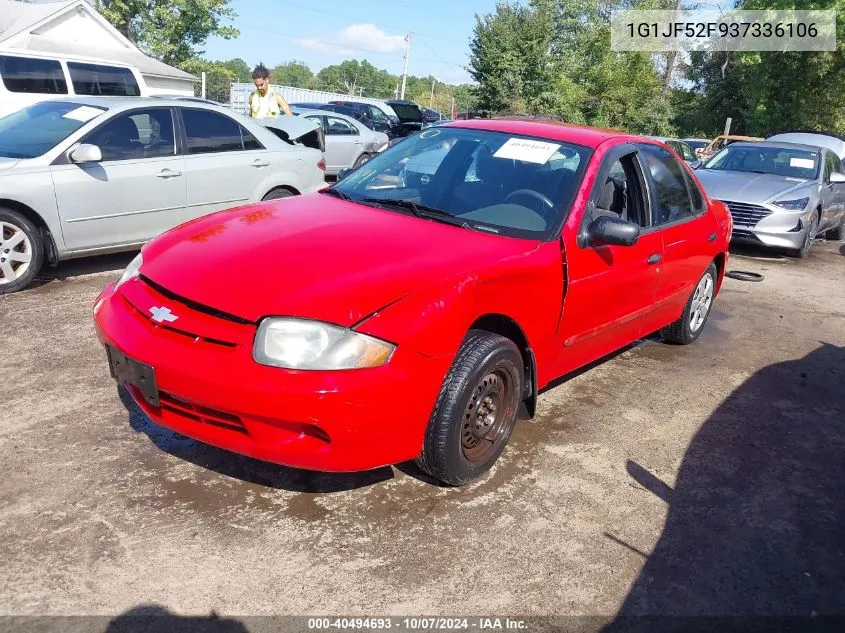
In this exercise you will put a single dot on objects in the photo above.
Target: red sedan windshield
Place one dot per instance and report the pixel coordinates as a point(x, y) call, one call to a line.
point(508, 184)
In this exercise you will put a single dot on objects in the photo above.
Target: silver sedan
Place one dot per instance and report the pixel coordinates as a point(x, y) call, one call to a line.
point(349, 143)
point(87, 175)
point(779, 194)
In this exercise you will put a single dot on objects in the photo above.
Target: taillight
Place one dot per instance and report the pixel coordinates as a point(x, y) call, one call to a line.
point(322, 164)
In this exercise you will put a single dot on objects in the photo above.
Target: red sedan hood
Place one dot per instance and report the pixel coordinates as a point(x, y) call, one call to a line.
point(315, 257)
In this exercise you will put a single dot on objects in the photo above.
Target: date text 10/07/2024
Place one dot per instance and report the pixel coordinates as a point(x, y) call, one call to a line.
point(417, 623)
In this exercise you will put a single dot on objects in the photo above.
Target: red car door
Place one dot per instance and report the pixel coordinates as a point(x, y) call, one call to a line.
point(610, 288)
point(689, 233)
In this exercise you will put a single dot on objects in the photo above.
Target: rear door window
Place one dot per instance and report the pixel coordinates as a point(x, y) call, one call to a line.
point(210, 132)
point(98, 79)
point(25, 74)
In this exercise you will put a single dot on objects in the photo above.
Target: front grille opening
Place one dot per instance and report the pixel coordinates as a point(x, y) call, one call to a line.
point(745, 214)
point(193, 305)
point(199, 413)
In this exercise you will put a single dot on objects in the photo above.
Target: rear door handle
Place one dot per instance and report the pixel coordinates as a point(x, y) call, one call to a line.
point(654, 258)
point(712, 237)
point(168, 173)
point(260, 163)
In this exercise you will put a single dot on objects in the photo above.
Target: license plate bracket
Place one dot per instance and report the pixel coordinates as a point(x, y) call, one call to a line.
point(140, 375)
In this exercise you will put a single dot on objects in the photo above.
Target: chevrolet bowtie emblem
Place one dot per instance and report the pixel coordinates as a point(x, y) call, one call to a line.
point(160, 315)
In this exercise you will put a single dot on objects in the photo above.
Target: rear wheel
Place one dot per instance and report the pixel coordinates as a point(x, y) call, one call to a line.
point(21, 251)
point(809, 238)
point(475, 411)
point(363, 158)
point(688, 328)
point(278, 194)
point(838, 232)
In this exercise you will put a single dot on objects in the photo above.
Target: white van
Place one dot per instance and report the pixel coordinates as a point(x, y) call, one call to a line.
point(27, 78)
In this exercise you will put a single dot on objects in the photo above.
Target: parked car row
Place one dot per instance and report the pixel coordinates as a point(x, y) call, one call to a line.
point(462, 269)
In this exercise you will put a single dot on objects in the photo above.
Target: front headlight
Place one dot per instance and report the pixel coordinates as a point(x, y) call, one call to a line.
point(303, 344)
point(130, 271)
point(792, 205)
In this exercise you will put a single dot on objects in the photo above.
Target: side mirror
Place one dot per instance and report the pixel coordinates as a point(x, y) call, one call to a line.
point(836, 177)
point(613, 231)
point(86, 153)
point(695, 164)
point(343, 173)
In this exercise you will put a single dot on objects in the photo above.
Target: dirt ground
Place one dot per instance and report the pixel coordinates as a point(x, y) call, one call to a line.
point(705, 479)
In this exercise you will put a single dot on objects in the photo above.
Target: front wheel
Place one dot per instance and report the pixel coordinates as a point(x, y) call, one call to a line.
point(475, 411)
point(21, 251)
point(804, 251)
point(688, 328)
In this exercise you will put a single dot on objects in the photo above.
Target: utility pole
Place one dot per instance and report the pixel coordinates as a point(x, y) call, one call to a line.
point(431, 97)
point(405, 71)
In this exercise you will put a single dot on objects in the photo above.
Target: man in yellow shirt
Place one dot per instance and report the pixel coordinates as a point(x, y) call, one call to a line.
point(263, 102)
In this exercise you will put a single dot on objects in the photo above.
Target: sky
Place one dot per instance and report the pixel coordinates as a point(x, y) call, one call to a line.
point(326, 32)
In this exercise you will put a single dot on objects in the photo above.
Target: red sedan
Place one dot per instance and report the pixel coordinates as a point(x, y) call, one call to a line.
point(408, 311)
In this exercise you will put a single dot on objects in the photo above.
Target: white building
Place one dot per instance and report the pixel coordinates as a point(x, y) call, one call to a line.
point(72, 29)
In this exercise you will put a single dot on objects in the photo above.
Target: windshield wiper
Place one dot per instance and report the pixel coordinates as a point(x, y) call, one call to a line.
point(422, 211)
point(337, 193)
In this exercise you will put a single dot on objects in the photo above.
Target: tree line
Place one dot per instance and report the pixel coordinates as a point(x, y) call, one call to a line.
point(553, 57)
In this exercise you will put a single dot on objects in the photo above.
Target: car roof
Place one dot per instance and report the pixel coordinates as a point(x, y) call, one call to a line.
point(553, 130)
point(834, 143)
point(121, 103)
point(776, 145)
point(337, 115)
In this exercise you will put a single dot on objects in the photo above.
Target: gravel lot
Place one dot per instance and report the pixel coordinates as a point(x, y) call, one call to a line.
point(691, 480)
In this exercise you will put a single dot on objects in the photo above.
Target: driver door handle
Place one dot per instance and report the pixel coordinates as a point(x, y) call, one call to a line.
point(168, 173)
point(654, 258)
point(260, 163)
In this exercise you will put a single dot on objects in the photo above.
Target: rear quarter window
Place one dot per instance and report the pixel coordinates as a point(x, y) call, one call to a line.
point(28, 75)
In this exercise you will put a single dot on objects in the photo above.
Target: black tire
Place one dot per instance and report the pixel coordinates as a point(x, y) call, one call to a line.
point(363, 158)
point(804, 251)
point(682, 331)
point(838, 232)
point(485, 380)
point(33, 246)
point(278, 194)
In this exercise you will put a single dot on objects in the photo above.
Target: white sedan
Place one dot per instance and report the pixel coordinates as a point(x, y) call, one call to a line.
point(87, 175)
point(349, 143)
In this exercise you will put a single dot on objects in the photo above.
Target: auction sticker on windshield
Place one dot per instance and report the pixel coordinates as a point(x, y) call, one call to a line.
point(802, 163)
point(527, 150)
point(83, 113)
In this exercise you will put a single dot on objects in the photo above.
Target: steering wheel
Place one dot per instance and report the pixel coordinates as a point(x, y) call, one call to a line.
point(546, 209)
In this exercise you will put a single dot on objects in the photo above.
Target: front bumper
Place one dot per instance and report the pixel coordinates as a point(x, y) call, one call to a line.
point(213, 391)
point(769, 225)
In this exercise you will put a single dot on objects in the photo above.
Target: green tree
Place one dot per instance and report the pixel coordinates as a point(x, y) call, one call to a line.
point(170, 30)
point(554, 57)
point(293, 73)
point(355, 77)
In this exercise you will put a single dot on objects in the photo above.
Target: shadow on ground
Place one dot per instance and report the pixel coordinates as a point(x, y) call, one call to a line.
point(84, 266)
point(156, 619)
point(756, 522)
point(242, 467)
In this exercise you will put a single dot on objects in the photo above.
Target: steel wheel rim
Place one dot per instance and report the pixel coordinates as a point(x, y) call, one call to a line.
point(702, 299)
point(15, 253)
point(487, 415)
